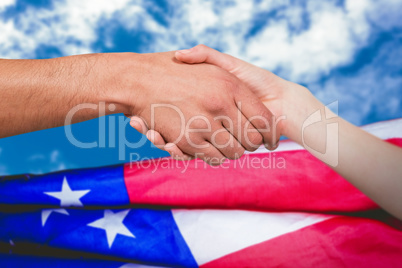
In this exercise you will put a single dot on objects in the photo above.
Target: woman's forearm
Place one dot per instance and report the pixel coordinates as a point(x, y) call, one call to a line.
point(371, 164)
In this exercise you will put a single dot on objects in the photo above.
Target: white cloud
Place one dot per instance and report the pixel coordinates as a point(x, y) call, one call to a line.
point(201, 16)
point(331, 40)
point(6, 3)
point(335, 34)
point(70, 26)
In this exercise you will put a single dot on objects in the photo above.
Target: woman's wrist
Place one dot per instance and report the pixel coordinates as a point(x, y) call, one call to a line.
point(298, 105)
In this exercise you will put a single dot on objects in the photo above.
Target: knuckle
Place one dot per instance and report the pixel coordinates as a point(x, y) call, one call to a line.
point(236, 154)
point(222, 94)
point(216, 104)
point(266, 117)
point(234, 151)
point(254, 140)
point(272, 146)
point(201, 47)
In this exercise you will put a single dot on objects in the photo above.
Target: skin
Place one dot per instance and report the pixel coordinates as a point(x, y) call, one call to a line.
point(372, 165)
point(38, 94)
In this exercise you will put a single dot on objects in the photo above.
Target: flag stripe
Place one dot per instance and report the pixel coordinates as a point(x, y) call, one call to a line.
point(284, 181)
point(336, 242)
point(211, 234)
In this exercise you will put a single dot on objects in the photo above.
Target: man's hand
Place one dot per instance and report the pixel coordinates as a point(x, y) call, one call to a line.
point(204, 110)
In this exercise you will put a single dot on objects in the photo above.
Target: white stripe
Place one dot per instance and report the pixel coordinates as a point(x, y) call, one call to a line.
point(286, 145)
point(386, 129)
point(211, 234)
point(383, 130)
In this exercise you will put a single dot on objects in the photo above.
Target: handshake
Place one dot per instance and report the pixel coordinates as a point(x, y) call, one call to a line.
point(196, 103)
point(209, 105)
point(192, 103)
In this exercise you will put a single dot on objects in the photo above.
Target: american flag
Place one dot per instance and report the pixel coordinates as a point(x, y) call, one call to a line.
point(267, 209)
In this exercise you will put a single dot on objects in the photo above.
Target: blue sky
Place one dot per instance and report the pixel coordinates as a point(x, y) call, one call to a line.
point(347, 51)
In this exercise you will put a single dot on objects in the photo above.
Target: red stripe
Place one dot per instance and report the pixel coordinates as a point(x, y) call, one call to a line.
point(338, 242)
point(302, 184)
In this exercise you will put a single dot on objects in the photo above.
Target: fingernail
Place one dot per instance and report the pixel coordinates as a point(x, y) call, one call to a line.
point(273, 147)
point(134, 123)
point(149, 137)
point(184, 51)
point(169, 146)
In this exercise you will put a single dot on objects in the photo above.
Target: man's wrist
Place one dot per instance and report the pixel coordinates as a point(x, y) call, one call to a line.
point(116, 82)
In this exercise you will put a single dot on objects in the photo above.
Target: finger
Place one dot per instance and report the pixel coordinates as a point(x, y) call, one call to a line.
point(176, 153)
point(156, 138)
point(258, 115)
point(226, 143)
point(244, 132)
point(202, 53)
point(138, 124)
point(206, 152)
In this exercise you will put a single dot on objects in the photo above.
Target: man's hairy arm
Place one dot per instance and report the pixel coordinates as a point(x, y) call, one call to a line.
point(38, 94)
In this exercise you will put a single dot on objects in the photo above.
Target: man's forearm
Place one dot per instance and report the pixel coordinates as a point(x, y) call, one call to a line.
point(38, 94)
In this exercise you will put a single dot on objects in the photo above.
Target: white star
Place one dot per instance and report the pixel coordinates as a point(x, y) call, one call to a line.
point(67, 196)
point(112, 223)
point(46, 213)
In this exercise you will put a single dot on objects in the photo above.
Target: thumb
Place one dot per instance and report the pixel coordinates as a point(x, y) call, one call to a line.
point(202, 53)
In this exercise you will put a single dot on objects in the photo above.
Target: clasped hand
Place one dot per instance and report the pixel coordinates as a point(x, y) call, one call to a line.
point(207, 105)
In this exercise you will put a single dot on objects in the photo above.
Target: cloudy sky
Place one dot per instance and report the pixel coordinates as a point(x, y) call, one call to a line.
point(347, 51)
